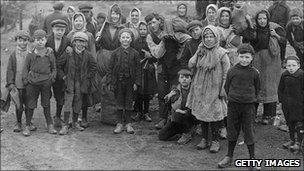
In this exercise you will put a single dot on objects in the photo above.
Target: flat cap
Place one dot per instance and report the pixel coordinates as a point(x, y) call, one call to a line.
point(194, 24)
point(245, 48)
point(292, 58)
point(85, 7)
point(59, 23)
point(80, 36)
point(125, 30)
point(23, 34)
point(184, 71)
point(58, 6)
point(39, 34)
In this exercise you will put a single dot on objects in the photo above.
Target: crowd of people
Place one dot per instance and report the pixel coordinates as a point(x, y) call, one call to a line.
point(208, 73)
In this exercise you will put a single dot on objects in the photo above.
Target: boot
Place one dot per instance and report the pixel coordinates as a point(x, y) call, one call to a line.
point(84, 123)
point(202, 145)
point(137, 117)
point(185, 138)
point(32, 127)
point(147, 117)
point(64, 130)
point(57, 122)
point(288, 144)
point(161, 124)
point(18, 127)
point(76, 126)
point(51, 129)
point(215, 146)
point(130, 129)
point(225, 162)
point(26, 132)
point(118, 128)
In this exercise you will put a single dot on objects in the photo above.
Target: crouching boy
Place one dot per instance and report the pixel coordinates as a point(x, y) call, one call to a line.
point(242, 87)
point(38, 75)
point(182, 121)
point(125, 73)
point(80, 69)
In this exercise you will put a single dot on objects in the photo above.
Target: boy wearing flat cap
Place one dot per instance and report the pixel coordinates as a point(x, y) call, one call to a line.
point(195, 29)
point(182, 121)
point(86, 9)
point(59, 43)
point(80, 68)
point(125, 74)
point(14, 74)
point(242, 87)
point(57, 14)
point(38, 75)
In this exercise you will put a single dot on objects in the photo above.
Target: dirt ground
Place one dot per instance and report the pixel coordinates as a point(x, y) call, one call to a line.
point(98, 148)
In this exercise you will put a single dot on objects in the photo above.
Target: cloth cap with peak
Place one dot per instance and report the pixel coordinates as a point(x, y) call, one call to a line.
point(184, 71)
point(245, 48)
point(80, 36)
point(59, 23)
point(194, 24)
point(23, 34)
point(38, 34)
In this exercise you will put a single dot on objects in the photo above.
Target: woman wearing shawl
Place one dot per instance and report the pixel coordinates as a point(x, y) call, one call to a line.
point(211, 15)
point(79, 21)
point(265, 40)
point(182, 10)
point(207, 95)
point(133, 24)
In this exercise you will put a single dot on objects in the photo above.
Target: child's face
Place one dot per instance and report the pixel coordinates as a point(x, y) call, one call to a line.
point(143, 30)
point(58, 32)
point(80, 45)
point(209, 38)
point(296, 20)
point(182, 10)
point(211, 14)
point(135, 17)
point(115, 16)
point(292, 66)
point(196, 32)
point(245, 59)
point(184, 80)
point(125, 39)
point(79, 23)
point(22, 43)
point(225, 17)
point(262, 19)
point(40, 42)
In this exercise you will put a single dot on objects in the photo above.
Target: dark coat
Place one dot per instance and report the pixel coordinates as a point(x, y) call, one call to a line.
point(149, 85)
point(65, 42)
point(106, 41)
point(88, 68)
point(189, 50)
point(279, 13)
point(291, 95)
point(134, 65)
point(11, 69)
point(53, 16)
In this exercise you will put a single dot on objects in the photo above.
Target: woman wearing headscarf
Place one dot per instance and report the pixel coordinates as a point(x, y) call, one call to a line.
point(207, 95)
point(211, 15)
point(265, 38)
point(182, 10)
point(79, 25)
point(134, 20)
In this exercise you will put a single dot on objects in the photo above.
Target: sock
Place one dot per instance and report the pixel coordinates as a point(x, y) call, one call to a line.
point(19, 115)
point(29, 115)
point(231, 146)
point(75, 117)
point(66, 117)
point(47, 115)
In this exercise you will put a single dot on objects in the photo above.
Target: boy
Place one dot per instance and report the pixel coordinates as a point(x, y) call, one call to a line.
point(242, 86)
point(14, 74)
point(182, 122)
point(290, 91)
point(80, 69)
point(148, 88)
point(38, 75)
point(294, 33)
point(125, 78)
point(59, 43)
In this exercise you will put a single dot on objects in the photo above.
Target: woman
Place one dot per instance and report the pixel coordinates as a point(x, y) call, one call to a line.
point(133, 24)
point(70, 12)
point(265, 40)
point(182, 10)
point(207, 95)
point(211, 15)
point(79, 25)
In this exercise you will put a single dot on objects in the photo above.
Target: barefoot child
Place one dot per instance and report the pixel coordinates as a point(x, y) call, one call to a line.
point(125, 78)
point(242, 86)
point(291, 95)
point(38, 75)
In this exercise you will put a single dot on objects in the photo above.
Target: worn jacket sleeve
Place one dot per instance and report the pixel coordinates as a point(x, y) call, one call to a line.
point(26, 69)
point(185, 56)
point(289, 34)
point(10, 72)
point(93, 66)
point(282, 33)
point(111, 67)
point(138, 73)
point(53, 67)
point(60, 65)
point(281, 89)
point(257, 83)
point(228, 81)
point(92, 46)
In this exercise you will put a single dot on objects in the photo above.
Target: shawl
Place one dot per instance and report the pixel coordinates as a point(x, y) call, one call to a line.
point(134, 25)
point(216, 9)
point(84, 22)
point(219, 13)
point(109, 19)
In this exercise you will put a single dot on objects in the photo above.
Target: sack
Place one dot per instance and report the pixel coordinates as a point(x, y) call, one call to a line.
point(274, 47)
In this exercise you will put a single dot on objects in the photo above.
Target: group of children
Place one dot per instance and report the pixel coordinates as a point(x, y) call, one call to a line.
point(206, 82)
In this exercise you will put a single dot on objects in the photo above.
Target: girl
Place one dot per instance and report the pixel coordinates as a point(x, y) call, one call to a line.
point(182, 10)
point(133, 24)
point(211, 15)
point(207, 95)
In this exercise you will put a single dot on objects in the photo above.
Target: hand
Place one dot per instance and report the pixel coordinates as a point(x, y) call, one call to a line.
point(134, 87)
point(168, 37)
point(69, 50)
point(180, 111)
point(147, 54)
point(11, 86)
point(64, 77)
point(49, 50)
point(223, 94)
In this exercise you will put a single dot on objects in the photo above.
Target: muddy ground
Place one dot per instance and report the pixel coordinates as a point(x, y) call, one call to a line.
point(98, 148)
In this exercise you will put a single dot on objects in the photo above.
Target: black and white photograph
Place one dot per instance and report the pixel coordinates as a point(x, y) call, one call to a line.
point(152, 85)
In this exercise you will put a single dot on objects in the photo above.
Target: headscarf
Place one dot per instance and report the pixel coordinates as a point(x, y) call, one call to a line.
point(136, 25)
point(180, 4)
point(212, 54)
point(215, 8)
point(143, 23)
point(219, 13)
point(76, 15)
point(117, 9)
point(266, 28)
